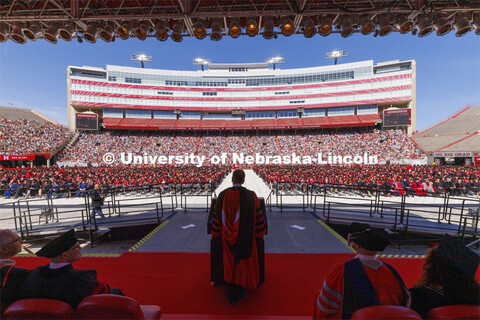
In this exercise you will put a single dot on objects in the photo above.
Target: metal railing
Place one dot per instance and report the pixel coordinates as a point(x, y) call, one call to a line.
point(453, 215)
point(41, 217)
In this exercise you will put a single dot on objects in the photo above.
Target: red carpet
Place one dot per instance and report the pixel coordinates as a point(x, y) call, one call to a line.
point(180, 282)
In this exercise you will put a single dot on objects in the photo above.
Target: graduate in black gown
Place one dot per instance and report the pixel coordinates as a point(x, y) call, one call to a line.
point(448, 277)
point(11, 277)
point(59, 280)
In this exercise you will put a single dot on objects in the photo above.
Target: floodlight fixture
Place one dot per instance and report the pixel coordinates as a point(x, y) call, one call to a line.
point(142, 58)
point(462, 27)
point(476, 23)
point(325, 25)
point(404, 25)
point(4, 32)
point(424, 26)
point(202, 62)
point(142, 30)
point(33, 31)
point(442, 25)
point(347, 27)
point(384, 25)
point(199, 30)
point(336, 54)
point(67, 31)
point(90, 35)
point(367, 25)
point(251, 28)
point(274, 61)
point(216, 34)
point(124, 30)
point(51, 35)
point(161, 31)
point(235, 29)
point(268, 26)
point(286, 27)
point(106, 33)
point(177, 31)
point(17, 35)
point(309, 28)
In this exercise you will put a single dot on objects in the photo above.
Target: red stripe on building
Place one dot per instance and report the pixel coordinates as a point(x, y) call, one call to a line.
point(206, 89)
point(319, 95)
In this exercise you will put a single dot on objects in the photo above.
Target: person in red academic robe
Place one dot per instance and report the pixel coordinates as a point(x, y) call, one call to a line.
point(238, 219)
point(361, 282)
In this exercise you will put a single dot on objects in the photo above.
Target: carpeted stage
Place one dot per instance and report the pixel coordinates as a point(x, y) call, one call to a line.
point(180, 282)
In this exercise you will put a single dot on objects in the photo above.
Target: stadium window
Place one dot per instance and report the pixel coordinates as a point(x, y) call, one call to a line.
point(287, 113)
point(314, 112)
point(341, 111)
point(133, 80)
point(370, 109)
point(113, 113)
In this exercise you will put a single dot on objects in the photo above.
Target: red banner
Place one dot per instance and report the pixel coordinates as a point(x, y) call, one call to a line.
point(17, 157)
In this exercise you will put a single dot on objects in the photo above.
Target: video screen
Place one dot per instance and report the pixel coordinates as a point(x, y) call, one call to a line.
point(396, 118)
point(86, 122)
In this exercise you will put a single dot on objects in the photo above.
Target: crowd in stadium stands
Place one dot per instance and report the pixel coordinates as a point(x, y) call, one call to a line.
point(391, 145)
point(68, 182)
point(389, 179)
point(31, 136)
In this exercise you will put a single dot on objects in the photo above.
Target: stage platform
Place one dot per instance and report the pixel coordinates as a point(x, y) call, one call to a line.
point(287, 233)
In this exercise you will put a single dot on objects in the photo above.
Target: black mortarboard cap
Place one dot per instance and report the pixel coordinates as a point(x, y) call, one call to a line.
point(454, 252)
point(58, 246)
point(357, 227)
point(367, 238)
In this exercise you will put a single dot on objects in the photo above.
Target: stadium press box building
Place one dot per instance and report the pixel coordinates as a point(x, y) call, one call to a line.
point(251, 96)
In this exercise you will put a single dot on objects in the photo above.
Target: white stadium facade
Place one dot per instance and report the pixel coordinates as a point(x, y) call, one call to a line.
point(243, 96)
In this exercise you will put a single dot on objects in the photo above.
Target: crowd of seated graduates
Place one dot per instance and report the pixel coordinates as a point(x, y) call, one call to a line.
point(393, 180)
point(77, 181)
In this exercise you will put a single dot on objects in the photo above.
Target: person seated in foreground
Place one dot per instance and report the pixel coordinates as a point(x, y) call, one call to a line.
point(362, 281)
point(11, 278)
point(448, 277)
point(59, 280)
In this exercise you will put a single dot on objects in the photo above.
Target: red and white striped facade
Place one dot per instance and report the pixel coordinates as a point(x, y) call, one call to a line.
point(248, 87)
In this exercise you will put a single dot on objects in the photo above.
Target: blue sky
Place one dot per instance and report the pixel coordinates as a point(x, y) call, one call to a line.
point(448, 68)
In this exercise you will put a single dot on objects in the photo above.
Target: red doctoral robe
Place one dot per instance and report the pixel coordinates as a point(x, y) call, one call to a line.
point(238, 219)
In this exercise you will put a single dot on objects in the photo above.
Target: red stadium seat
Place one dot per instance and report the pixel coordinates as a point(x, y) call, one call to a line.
point(110, 306)
point(461, 311)
point(386, 312)
point(39, 309)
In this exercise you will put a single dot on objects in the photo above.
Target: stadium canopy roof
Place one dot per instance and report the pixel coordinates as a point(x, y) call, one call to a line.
point(22, 20)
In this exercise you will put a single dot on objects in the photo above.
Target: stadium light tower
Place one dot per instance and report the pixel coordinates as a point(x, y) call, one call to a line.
point(202, 62)
point(336, 54)
point(274, 60)
point(142, 58)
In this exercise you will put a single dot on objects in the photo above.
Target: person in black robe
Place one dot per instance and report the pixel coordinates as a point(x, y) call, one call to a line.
point(59, 280)
point(11, 278)
point(97, 202)
point(448, 278)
